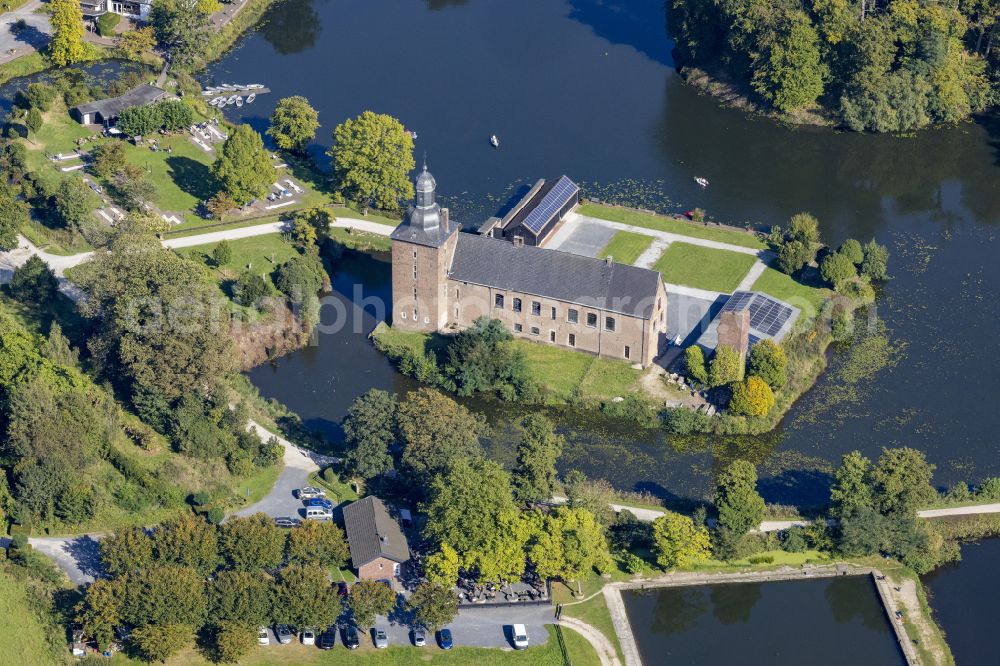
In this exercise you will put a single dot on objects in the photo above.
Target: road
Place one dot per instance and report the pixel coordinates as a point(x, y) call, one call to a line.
point(35, 36)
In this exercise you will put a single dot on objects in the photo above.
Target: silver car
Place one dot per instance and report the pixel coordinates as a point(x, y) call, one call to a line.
point(419, 637)
point(380, 638)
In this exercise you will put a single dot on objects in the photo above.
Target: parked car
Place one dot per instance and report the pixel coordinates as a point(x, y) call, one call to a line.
point(520, 634)
point(318, 513)
point(380, 638)
point(419, 637)
point(328, 639)
point(309, 492)
point(308, 636)
point(283, 633)
point(445, 639)
point(351, 638)
point(262, 636)
point(321, 502)
point(286, 521)
point(342, 588)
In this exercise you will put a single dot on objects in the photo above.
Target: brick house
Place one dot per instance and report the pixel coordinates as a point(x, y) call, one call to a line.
point(445, 279)
point(378, 548)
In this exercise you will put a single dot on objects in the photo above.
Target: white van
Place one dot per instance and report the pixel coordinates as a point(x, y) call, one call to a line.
point(520, 637)
point(318, 513)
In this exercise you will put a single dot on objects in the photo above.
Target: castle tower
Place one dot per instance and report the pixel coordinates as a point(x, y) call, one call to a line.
point(423, 246)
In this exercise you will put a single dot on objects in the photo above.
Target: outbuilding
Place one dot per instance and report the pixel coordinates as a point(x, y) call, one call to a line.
point(378, 547)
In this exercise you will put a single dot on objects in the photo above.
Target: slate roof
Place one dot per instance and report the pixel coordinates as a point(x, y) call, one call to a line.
point(372, 533)
point(113, 106)
point(434, 237)
point(549, 273)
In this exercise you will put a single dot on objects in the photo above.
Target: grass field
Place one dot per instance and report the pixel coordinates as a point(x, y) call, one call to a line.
point(182, 178)
point(784, 287)
point(595, 613)
point(20, 624)
point(703, 267)
point(261, 254)
point(625, 247)
point(673, 225)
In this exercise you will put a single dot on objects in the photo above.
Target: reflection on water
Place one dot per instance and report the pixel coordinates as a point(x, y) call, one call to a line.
point(828, 621)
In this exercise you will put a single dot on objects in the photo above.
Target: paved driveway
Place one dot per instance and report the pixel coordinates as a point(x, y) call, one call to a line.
point(31, 38)
point(78, 556)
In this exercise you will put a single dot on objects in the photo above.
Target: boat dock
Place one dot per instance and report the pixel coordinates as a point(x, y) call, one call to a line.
point(235, 91)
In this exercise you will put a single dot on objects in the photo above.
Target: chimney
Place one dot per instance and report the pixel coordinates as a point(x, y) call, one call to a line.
point(444, 218)
point(518, 241)
point(609, 260)
point(734, 331)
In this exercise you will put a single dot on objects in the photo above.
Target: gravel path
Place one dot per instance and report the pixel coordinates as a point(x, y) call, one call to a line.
point(600, 643)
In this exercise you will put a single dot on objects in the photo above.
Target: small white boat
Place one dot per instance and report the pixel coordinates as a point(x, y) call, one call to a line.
point(209, 91)
point(218, 101)
point(413, 135)
point(239, 101)
point(232, 100)
point(227, 86)
point(494, 141)
point(251, 97)
point(255, 86)
point(701, 181)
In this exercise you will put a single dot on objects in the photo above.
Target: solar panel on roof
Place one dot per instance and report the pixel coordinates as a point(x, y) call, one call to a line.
point(553, 200)
point(766, 314)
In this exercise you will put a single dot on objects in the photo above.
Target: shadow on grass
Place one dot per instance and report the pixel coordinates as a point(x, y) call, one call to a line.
point(192, 177)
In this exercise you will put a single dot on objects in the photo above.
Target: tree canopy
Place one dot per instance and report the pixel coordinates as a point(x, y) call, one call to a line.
point(679, 541)
point(244, 168)
point(370, 428)
point(538, 449)
point(740, 506)
point(293, 124)
point(67, 46)
point(435, 431)
point(372, 157)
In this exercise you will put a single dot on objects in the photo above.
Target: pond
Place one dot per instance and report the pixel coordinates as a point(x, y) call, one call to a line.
point(828, 621)
point(588, 88)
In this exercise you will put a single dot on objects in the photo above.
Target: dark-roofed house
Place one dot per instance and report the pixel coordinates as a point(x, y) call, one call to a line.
point(538, 214)
point(106, 111)
point(444, 279)
point(378, 547)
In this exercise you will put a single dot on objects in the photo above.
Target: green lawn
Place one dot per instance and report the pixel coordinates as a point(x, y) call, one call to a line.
point(20, 624)
point(560, 371)
point(182, 178)
point(595, 613)
point(579, 651)
point(703, 267)
point(625, 247)
point(784, 287)
point(257, 253)
point(673, 225)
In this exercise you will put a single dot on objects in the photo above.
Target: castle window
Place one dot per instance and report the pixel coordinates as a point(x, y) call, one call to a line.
point(414, 254)
point(573, 316)
point(609, 324)
point(552, 336)
point(591, 320)
point(427, 320)
point(458, 293)
point(572, 339)
point(553, 314)
point(414, 293)
point(535, 331)
point(516, 305)
point(627, 352)
point(414, 271)
point(402, 315)
point(498, 301)
point(518, 328)
point(414, 315)
point(536, 308)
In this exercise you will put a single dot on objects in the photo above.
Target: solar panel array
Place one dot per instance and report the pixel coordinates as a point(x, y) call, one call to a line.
point(550, 204)
point(766, 314)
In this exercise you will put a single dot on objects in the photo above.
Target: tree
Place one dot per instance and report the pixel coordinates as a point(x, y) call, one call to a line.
point(73, 203)
point(372, 156)
point(220, 203)
point(568, 544)
point(33, 282)
point(106, 24)
point(539, 447)
point(140, 120)
point(133, 191)
point(251, 543)
point(694, 361)
point(166, 594)
point(740, 507)
point(176, 114)
point(302, 234)
point(480, 359)
point(435, 431)
point(301, 277)
point(131, 45)
point(875, 265)
point(368, 599)
point(293, 124)
point(441, 568)
point(851, 491)
point(66, 47)
point(13, 215)
point(241, 596)
point(793, 255)
point(181, 28)
point(316, 542)
point(679, 541)
point(726, 367)
point(234, 640)
point(100, 611)
point(250, 289)
point(751, 397)
point(901, 481)
point(188, 540)
point(789, 72)
point(126, 551)
point(465, 502)
point(805, 228)
point(40, 96)
point(594, 495)
point(156, 642)
point(208, 7)
point(57, 349)
point(500, 558)
point(851, 249)
point(836, 268)
point(244, 168)
point(768, 361)
point(370, 428)
point(305, 598)
point(107, 158)
point(433, 605)
point(222, 253)
point(33, 120)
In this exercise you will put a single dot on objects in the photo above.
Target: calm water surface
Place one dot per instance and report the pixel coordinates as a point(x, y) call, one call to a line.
point(588, 88)
point(830, 621)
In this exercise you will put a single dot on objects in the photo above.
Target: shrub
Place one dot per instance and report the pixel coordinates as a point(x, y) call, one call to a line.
point(852, 250)
point(726, 367)
point(250, 288)
point(836, 268)
point(989, 489)
point(632, 563)
point(876, 262)
point(858, 291)
point(752, 397)
point(684, 421)
point(222, 254)
point(216, 515)
point(40, 96)
point(106, 24)
point(761, 559)
point(694, 361)
point(768, 361)
point(633, 407)
point(793, 540)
